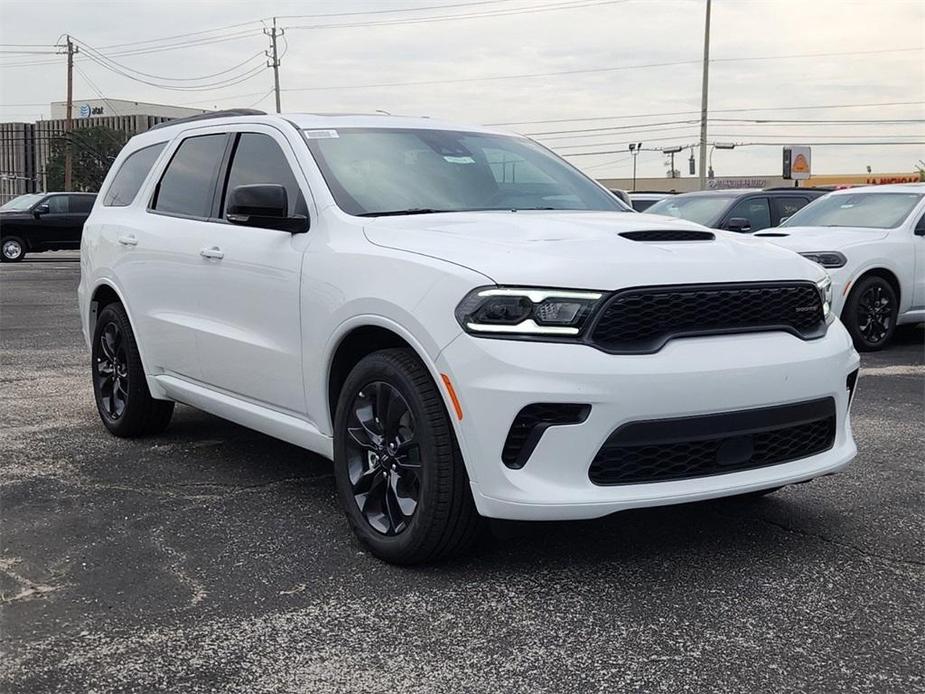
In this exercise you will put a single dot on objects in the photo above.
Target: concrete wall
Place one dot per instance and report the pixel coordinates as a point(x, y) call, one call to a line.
point(686, 185)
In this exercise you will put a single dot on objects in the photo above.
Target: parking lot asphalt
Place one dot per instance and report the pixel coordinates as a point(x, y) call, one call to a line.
point(213, 558)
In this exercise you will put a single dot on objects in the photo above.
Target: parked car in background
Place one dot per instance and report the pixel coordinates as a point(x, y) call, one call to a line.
point(461, 343)
point(872, 242)
point(623, 196)
point(736, 210)
point(39, 222)
point(642, 201)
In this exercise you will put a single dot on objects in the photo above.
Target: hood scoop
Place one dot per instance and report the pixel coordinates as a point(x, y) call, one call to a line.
point(771, 234)
point(659, 235)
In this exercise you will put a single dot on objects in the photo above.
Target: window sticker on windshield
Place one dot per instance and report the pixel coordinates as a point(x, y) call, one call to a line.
point(459, 160)
point(320, 134)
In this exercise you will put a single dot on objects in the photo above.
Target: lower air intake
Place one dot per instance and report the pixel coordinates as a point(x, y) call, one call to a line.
point(676, 449)
point(530, 423)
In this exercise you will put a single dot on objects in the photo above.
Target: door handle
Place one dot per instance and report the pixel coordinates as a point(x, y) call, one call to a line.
point(128, 240)
point(213, 252)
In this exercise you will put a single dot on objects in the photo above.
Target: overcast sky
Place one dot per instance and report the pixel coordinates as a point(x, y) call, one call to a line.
point(598, 42)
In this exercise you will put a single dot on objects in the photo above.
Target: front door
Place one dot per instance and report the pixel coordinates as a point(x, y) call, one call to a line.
point(250, 344)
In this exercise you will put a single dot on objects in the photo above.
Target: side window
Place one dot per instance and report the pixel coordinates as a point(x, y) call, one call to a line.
point(787, 207)
point(188, 184)
point(259, 159)
point(755, 210)
point(131, 175)
point(80, 204)
point(57, 204)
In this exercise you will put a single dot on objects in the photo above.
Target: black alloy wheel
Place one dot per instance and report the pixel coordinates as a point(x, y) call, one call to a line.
point(12, 249)
point(870, 313)
point(111, 372)
point(398, 471)
point(383, 458)
point(119, 384)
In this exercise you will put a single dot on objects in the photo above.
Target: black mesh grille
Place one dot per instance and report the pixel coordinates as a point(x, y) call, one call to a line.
point(668, 235)
point(642, 320)
point(531, 422)
point(625, 460)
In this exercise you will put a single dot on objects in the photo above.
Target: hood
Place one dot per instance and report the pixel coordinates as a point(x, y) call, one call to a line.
point(585, 249)
point(821, 238)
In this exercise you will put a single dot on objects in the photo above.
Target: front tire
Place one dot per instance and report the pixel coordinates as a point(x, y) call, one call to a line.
point(870, 314)
point(119, 385)
point(12, 249)
point(398, 470)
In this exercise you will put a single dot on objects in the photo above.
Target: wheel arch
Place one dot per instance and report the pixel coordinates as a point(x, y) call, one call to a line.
point(364, 335)
point(105, 292)
point(877, 271)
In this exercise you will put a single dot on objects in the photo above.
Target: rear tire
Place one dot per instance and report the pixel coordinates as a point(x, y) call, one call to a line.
point(870, 314)
point(398, 470)
point(119, 385)
point(12, 249)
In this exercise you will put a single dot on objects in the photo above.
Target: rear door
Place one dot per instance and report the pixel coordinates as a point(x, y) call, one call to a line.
point(786, 206)
point(79, 207)
point(251, 343)
point(159, 239)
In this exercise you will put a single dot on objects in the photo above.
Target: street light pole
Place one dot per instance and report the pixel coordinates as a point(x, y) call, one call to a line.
point(635, 149)
point(703, 99)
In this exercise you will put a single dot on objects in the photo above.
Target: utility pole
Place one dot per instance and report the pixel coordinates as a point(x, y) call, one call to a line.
point(703, 99)
point(70, 49)
point(273, 55)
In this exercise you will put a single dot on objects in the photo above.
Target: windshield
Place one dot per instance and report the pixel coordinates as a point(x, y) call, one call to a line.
point(23, 202)
point(703, 209)
point(868, 210)
point(376, 171)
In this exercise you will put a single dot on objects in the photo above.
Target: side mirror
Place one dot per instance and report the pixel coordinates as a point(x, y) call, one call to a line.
point(41, 209)
point(738, 224)
point(920, 227)
point(263, 205)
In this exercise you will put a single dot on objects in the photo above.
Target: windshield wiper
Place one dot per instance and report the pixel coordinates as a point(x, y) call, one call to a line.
point(396, 213)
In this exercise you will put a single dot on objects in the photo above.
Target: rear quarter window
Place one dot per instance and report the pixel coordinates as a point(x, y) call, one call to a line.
point(133, 172)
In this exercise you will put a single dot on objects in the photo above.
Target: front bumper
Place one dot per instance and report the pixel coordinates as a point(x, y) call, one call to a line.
point(495, 379)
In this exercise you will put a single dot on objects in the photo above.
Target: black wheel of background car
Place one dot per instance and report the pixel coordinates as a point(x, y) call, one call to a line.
point(870, 313)
point(12, 249)
point(119, 386)
point(398, 470)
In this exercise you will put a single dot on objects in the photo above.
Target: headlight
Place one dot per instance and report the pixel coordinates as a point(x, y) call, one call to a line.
point(526, 311)
point(832, 259)
point(825, 294)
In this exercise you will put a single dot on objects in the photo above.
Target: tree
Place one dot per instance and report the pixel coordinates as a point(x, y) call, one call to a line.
point(92, 152)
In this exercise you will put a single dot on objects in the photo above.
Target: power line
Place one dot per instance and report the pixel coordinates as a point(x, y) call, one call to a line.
point(764, 144)
point(715, 110)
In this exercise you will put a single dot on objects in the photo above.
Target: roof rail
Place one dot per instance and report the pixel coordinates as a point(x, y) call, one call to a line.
point(211, 114)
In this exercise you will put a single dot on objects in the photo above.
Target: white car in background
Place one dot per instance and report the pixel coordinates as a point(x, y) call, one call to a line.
point(872, 242)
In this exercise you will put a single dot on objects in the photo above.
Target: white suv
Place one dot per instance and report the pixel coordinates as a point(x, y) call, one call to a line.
point(872, 242)
point(466, 324)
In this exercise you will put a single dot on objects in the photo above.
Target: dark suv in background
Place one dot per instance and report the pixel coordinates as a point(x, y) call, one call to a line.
point(737, 210)
point(42, 222)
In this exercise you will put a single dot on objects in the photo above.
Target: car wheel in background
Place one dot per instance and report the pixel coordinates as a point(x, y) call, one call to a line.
point(870, 313)
point(119, 385)
point(398, 470)
point(12, 249)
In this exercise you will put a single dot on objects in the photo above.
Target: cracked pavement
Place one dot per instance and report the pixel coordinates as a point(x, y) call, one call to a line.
point(212, 558)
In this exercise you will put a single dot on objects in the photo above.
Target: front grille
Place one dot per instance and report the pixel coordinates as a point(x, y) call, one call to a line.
point(641, 320)
point(677, 449)
point(529, 425)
